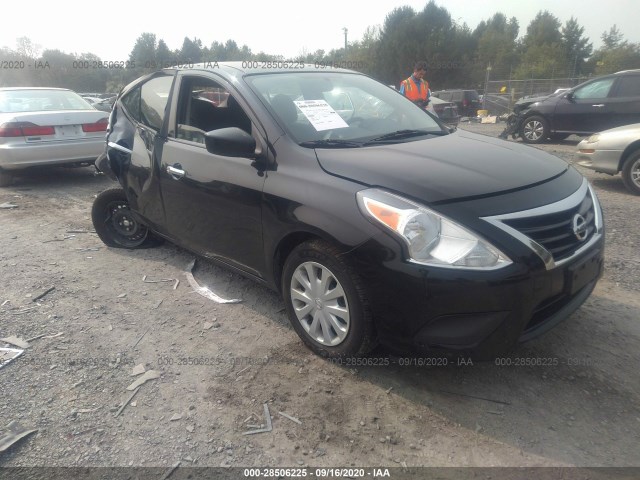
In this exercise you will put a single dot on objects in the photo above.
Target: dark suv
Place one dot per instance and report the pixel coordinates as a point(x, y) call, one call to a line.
point(593, 106)
point(467, 101)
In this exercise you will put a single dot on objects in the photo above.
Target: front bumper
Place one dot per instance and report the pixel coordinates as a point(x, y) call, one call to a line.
point(604, 161)
point(16, 156)
point(484, 314)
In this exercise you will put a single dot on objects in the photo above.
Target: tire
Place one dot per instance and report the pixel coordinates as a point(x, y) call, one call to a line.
point(631, 173)
point(534, 129)
point(6, 178)
point(115, 225)
point(333, 319)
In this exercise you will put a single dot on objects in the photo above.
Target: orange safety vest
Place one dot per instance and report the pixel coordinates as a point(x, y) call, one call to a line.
point(415, 92)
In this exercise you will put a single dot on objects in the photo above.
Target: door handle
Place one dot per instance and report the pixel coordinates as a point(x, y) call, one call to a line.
point(176, 171)
point(598, 105)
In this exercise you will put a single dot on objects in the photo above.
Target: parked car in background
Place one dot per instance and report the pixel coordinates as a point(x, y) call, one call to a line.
point(614, 151)
point(446, 111)
point(593, 106)
point(91, 100)
point(374, 222)
point(467, 101)
point(105, 104)
point(47, 126)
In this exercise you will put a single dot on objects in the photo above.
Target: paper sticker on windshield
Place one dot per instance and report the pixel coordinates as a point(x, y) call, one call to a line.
point(320, 114)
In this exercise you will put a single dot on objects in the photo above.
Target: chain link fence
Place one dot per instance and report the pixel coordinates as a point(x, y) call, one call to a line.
point(500, 95)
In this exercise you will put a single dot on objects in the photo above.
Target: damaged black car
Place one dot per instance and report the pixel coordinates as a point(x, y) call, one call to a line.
point(374, 222)
point(599, 104)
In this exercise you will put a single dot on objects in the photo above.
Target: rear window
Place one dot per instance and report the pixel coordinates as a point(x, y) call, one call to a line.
point(472, 95)
point(629, 86)
point(13, 101)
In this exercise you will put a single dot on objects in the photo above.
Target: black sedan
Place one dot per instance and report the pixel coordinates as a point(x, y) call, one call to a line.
point(374, 222)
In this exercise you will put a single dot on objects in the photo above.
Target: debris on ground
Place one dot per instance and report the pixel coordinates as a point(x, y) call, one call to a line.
point(67, 237)
point(171, 470)
point(124, 405)
point(140, 339)
point(48, 290)
point(9, 354)
point(12, 433)
point(150, 375)
point(175, 417)
point(138, 370)
point(204, 291)
point(175, 281)
point(267, 417)
point(18, 342)
point(293, 419)
point(19, 311)
point(207, 325)
point(6, 206)
point(477, 398)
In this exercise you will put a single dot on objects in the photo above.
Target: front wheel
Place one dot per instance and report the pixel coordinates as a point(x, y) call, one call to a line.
point(5, 178)
point(631, 173)
point(115, 224)
point(534, 129)
point(326, 301)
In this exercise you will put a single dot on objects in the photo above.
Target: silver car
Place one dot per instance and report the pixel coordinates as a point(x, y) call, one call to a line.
point(613, 151)
point(47, 126)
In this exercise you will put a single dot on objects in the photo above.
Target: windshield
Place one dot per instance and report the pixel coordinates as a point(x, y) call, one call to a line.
point(334, 109)
point(13, 101)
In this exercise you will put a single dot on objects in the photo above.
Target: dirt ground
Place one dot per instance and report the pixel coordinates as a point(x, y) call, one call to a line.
point(220, 363)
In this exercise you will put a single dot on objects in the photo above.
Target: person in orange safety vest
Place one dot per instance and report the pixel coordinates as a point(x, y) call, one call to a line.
point(416, 88)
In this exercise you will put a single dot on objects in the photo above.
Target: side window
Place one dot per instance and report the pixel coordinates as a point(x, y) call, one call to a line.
point(456, 97)
point(131, 102)
point(595, 89)
point(154, 95)
point(205, 105)
point(629, 86)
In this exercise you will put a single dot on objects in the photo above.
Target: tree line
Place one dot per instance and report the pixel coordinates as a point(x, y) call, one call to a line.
point(458, 56)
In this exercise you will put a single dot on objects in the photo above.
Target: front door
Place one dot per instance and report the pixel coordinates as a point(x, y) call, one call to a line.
point(212, 203)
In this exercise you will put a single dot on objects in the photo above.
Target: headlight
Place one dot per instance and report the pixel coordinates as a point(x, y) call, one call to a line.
point(593, 138)
point(431, 239)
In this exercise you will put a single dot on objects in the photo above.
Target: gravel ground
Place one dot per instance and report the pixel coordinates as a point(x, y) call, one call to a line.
point(219, 364)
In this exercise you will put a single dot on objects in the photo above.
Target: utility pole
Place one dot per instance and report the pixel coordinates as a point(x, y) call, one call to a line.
point(486, 87)
point(345, 30)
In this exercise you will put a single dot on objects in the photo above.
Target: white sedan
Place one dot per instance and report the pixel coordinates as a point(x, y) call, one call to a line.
point(613, 151)
point(47, 126)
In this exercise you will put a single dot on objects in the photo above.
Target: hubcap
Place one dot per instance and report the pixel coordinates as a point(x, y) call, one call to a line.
point(533, 130)
point(635, 173)
point(320, 303)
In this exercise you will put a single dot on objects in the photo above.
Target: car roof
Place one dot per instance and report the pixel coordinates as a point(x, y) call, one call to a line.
point(238, 69)
point(627, 71)
point(34, 88)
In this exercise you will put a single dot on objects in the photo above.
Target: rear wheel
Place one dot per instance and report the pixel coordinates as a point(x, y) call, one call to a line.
point(535, 129)
point(631, 173)
point(5, 178)
point(326, 301)
point(115, 224)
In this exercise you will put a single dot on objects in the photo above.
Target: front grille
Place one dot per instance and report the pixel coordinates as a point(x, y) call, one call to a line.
point(555, 231)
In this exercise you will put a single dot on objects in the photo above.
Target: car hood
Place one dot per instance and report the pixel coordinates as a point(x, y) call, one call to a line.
point(446, 168)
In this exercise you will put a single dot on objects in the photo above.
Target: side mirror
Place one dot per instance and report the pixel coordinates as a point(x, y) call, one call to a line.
point(230, 142)
point(569, 96)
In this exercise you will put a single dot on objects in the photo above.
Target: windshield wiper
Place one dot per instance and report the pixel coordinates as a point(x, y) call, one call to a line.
point(331, 143)
point(402, 134)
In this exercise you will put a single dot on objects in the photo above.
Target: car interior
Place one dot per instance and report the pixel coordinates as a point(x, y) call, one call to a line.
point(206, 106)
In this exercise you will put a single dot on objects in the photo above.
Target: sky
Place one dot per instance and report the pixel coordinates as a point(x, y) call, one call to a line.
point(289, 28)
